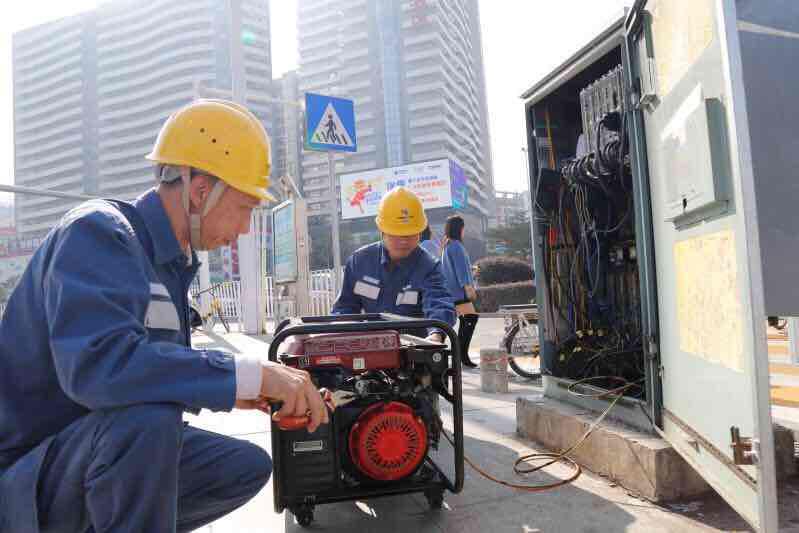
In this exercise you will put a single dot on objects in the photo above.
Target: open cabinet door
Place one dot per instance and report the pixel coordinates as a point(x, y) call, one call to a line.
point(691, 144)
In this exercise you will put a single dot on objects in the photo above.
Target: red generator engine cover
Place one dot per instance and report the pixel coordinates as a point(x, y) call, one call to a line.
point(358, 352)
point(388, 441)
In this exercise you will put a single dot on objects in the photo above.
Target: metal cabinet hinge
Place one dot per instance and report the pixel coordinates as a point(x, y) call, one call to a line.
point(745, 450)
point(652, 347)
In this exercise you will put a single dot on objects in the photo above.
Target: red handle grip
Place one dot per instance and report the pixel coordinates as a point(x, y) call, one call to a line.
point(293, 423)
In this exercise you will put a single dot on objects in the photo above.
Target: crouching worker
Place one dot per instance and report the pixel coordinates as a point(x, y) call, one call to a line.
point(396, 275)
point(96, 367)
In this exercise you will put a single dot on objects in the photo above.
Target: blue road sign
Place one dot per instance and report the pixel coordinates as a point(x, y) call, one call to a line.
point(330, 123)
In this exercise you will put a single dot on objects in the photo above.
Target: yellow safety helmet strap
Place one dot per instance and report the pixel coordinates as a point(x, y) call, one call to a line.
point(170, 174)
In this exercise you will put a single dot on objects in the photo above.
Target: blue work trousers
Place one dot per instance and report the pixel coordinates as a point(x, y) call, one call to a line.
point(141, 469)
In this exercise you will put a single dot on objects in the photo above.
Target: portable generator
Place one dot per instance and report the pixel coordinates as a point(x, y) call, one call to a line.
point(377, 444)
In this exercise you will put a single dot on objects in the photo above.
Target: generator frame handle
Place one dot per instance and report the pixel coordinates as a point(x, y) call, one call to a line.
point(308, 325)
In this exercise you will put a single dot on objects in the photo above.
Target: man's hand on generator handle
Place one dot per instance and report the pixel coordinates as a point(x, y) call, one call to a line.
point(294, 389)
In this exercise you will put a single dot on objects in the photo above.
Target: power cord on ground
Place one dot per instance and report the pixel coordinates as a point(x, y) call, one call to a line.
point(552, 458)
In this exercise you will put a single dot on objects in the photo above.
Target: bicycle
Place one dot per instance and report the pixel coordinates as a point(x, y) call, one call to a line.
point(521, 339)
point(216, 314)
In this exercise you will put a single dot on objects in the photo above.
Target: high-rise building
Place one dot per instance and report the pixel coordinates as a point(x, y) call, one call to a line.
point(415, 72)
point(92, 91)
point(287, 139)
point(52, 86)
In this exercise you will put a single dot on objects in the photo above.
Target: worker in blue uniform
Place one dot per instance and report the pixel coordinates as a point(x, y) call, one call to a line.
point(96, 367)
point(395, 275)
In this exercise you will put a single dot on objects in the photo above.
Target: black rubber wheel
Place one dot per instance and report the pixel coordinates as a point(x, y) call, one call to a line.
point(435, 498)
point(303, 515)
point(508, 342)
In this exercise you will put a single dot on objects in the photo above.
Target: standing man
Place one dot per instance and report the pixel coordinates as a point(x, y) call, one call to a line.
point(395, 275)
point(96, 367)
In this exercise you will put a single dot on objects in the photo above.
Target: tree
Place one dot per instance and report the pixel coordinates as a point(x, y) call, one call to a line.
point(513, 237)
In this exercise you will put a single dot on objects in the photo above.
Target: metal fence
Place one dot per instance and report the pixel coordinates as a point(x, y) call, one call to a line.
point(322, 292)
point(229, 294)
point(322, 295)
point(269, 286)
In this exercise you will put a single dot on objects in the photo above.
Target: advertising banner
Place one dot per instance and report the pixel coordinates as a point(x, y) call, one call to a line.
point(361, 191)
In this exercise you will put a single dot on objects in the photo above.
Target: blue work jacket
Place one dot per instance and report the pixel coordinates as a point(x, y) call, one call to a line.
point(430, 247)
point(457, 268)
point(412, 287)
point(99, 319)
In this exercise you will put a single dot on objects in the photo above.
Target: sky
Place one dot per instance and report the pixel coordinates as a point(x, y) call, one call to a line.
point(522, 41)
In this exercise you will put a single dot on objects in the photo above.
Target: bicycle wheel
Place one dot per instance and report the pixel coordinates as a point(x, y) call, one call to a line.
point(522, 354)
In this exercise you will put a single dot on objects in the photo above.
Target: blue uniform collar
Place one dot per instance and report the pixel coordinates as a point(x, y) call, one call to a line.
point(385, 259)
point(165, 245)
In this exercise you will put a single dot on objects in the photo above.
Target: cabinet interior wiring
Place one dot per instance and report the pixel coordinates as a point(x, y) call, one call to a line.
point(583, 208)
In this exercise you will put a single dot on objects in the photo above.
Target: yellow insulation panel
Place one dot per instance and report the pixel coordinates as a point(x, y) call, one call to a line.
point(681, 31)
point(709, 307)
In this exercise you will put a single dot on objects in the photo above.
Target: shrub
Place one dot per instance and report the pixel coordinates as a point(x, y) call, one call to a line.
point(490, 297)
point(495, 270)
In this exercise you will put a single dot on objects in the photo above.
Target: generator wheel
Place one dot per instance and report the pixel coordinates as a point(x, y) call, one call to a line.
point(435, 498)
point(304, 515)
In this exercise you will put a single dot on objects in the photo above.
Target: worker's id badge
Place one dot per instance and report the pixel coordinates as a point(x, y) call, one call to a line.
point(408, 297)
point(366, 290)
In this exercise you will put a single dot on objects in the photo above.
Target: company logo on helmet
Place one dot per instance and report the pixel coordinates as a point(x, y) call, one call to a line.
point(405, 216)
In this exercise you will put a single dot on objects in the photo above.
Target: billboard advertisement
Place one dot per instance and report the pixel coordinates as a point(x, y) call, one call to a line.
point(432, 181)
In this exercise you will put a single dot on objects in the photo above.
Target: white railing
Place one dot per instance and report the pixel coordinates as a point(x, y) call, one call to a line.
point(322, 292)
point(229, 294)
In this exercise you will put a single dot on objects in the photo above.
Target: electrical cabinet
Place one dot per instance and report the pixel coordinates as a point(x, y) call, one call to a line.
point(663, 159)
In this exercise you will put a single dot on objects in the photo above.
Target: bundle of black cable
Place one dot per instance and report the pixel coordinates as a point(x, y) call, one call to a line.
point(590, 265)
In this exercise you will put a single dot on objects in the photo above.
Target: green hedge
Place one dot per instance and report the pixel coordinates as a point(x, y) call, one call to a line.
point(491, 297)
point(495, 270)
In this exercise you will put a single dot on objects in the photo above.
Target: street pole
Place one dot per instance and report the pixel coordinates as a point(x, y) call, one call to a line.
point(334, 199)
point(251, 275)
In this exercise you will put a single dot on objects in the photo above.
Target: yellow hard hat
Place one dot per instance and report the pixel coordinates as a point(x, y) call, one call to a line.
point(401, 213)
point(219, 137)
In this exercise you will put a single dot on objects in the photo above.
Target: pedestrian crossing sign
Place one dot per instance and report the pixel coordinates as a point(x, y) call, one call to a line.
point(329, 123)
